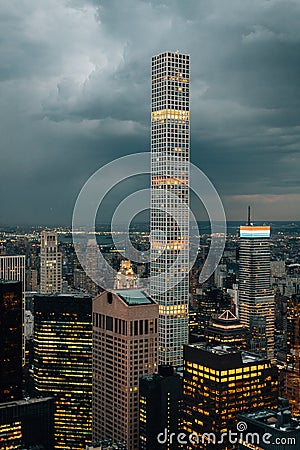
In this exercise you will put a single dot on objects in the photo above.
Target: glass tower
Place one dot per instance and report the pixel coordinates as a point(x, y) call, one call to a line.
point(170, 150)
point(63, 364)
point(256, 300)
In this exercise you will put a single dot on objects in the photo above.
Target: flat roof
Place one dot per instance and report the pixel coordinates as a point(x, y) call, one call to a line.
point(134, 297)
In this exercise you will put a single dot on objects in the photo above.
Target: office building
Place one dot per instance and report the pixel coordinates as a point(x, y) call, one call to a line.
point(268, 429)
point(11, 340)
point(226, 329)
point(27, 424)
point(50, 264)
point(63, 364)
point(160, 407)
point(255, 296)
point(292, 370)
point(219, 382)
point(170, 154)
point(13, 268)
point(125, 340)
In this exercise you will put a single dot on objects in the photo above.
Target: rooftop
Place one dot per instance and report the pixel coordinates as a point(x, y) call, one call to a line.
point(134, 297)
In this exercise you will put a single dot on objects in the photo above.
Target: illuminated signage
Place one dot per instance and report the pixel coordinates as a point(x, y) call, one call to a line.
point(255, 232)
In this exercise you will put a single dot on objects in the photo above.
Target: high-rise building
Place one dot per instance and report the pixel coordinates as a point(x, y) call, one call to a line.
point(63, 364)
point(170, 153)
point(226, 329)
point(27, 424)
point(125, 339)
point(292, 371)
point(255, 296)
point(218, 383)
point(160, 408)
point(13, 268)
point(51, 264)
point(268, 429)
point(11, 341)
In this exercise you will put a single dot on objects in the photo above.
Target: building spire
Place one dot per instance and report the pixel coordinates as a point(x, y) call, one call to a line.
point(249, 216)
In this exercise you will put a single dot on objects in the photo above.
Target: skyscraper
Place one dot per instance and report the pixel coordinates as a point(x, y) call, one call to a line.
point(63, 364)
point(256, 299)
point(160, 407)
point(170, 153)
point(11, 327)
point(125, 335)
point(292, 372)
point(51, 263)
point(218, 383)
point(13, 268)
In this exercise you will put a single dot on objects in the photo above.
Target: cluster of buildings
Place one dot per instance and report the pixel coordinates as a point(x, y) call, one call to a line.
point(176, 365)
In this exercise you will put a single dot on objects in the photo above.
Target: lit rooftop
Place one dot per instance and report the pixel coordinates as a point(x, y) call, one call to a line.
point(134, 297)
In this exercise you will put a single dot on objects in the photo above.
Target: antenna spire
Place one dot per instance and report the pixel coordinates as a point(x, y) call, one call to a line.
point(249, 216)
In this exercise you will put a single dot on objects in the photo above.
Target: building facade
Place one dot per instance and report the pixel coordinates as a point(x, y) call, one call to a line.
point(219, 382)
point(13, 268)
point(160, 408)
point(292, 369)
point(170, 154)
point(50, 264)
point(125, 339)
point(255, 296)
point(11, 340)
point(27, 424)
point(63, 364)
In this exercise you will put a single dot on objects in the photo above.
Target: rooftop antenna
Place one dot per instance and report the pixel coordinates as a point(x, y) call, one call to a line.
point(249, 216)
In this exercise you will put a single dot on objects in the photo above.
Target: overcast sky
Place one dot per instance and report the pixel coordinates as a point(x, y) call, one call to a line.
point(75, 94)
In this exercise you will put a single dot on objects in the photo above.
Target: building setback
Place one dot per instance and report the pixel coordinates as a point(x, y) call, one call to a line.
point(125, 339)
point(170, 154)
point(218, 383)
point(63, 364)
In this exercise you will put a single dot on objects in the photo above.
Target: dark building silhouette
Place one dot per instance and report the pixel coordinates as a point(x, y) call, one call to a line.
point(63, 364)
point(11, 340)
point(227, 329)
point(27, 424)
point(219, 382)
point(125, 341)
point(160, 407)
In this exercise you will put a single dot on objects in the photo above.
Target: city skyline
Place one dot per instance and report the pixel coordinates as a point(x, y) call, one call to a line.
point(78, 105)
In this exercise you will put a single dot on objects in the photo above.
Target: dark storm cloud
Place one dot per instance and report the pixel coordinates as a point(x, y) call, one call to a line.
point(75, 93)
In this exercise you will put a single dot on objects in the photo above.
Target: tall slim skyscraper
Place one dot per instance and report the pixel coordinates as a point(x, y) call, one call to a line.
point(51, 264)
point(11, 301)
point(170, 154)
point(256, 300)
point(125, 335)
point(63, 364)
